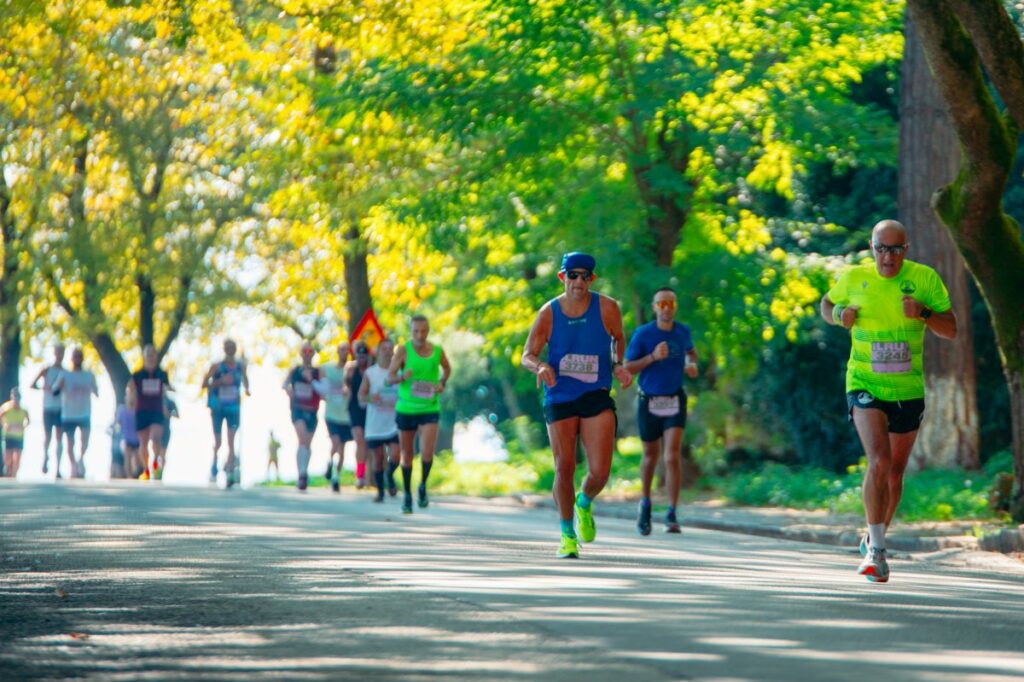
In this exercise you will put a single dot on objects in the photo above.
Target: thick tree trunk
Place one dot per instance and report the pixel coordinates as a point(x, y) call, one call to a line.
point(971, 207)
point(357, 278)
point(10, 321)
point(929, 159)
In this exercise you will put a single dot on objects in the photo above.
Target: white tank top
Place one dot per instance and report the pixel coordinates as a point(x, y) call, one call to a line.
point(51, 402)
point(380, 419)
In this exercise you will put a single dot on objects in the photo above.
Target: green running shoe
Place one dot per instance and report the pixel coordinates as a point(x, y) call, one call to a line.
point(568, 548)
point(584, 518)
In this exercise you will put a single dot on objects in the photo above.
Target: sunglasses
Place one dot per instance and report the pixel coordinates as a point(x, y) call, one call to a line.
point(577, 274)
point(894, 249)
point(666, 305)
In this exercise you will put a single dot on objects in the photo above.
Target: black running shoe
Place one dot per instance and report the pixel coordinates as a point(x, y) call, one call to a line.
point(335, 485)
point(303, 481)
point(643, 522)
point(407, 505)
point(422, 495)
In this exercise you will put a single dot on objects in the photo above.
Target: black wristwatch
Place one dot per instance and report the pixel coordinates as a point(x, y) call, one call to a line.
point(926, 313)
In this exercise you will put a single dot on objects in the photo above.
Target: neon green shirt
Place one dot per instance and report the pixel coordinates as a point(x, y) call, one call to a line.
point(886, 358)
point(418, 395)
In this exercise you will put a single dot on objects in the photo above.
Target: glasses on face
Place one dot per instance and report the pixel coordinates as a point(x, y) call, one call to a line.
point(577, 274)
point(894, 249)
point(665, 305)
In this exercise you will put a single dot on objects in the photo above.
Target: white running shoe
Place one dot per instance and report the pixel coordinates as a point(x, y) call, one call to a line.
point(875, 567)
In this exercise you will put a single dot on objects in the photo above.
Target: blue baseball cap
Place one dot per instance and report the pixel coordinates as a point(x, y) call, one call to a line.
point(577, 260)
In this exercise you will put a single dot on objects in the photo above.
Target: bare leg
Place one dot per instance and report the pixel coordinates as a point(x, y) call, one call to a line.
point(873, 429)
point(563, 434)
point(598, 436)
point(673, 463)
point(652, 450)
point(900, 444)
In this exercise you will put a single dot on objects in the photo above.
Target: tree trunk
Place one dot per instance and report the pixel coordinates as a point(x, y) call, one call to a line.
point(929, 159)
point(10, 321)
point(971, 207)
point(357, 278)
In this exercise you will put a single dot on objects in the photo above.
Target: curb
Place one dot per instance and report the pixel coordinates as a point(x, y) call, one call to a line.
point(1006, 540)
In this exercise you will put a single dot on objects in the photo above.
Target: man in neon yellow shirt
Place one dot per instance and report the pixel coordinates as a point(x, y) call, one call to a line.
point(421, 371)
point(887, 306)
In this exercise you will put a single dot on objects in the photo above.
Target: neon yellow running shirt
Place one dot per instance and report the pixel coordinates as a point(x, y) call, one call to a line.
point(886, 357)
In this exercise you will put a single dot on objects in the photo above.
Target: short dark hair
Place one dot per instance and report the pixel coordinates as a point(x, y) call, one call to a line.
point(419, 317)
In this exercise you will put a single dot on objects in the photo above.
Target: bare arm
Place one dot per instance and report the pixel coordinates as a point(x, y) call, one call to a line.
point(942, 324)
point(364, 392)
point(42, 373)
point(540, 334)
point(847, 314)
point(395, 374)
point(245, 378)
point(446, 371)
point(611, 315)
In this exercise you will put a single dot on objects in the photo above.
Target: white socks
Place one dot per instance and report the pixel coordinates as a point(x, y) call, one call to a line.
point(876, 531)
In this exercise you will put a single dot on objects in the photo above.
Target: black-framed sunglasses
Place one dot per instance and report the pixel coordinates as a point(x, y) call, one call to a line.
point(576, 274)
point(894, 249)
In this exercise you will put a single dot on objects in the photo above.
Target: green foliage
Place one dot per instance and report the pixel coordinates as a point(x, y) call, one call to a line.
point(931, 495)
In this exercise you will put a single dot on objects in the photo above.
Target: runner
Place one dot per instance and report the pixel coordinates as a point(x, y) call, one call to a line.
point(126, 432)
point(335, 390)
point(421, 371)
point(305, 401)
point(76, 387)
point(379, 398)
point(356, 411)
point(15, 420)
point(151, 385)
point(273, 447)
point(659, 351)
point(583, 332)
point(51, 407)
point(887, 306)
point(224, 382)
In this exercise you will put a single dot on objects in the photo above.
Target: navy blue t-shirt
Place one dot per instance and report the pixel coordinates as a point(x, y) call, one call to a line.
point(663, 377)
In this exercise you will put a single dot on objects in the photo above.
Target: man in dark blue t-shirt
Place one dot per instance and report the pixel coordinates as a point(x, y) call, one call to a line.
point(660, 352)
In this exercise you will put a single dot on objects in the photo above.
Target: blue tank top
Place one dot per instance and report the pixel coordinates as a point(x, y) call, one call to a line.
point(227, 396)
point(580, 351)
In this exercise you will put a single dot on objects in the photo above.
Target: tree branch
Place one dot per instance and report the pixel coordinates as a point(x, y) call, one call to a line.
point(1000, 47)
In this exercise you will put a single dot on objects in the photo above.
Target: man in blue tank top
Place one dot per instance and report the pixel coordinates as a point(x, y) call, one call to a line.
point(583, 333)
point(660, 352)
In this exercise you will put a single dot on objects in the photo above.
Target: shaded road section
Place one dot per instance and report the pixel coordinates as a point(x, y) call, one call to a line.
point(143, 582)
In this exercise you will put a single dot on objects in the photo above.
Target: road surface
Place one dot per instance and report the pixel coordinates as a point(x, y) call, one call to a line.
point(136, 581)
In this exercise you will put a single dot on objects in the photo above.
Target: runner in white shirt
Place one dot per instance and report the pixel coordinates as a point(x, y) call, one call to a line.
point(51, 406)
point(76, 388)
point(380, 398)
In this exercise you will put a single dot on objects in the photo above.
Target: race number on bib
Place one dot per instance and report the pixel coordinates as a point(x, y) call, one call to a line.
point(228, 394)
point(663, 405)
point(578, 366)
point(151, 386)
point(303, 391)
point(423, 389)
point(891, 357)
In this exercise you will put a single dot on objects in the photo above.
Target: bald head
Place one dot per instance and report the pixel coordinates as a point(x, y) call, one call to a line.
point(889, 231)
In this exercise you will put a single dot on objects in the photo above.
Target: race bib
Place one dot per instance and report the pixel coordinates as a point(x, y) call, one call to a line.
point(578, 366)
point(663, 405)
point(423, 389)
point(303, 391)
point(228, 394)
point(151, 386)
point(890, 357)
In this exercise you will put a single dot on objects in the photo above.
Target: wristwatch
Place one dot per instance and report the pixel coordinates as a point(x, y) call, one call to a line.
point(926, 313)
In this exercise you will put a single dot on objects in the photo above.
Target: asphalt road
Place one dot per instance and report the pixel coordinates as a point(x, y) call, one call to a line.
point(138, 581)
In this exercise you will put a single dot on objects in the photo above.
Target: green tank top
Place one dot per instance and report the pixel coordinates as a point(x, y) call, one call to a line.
point(418, 395)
